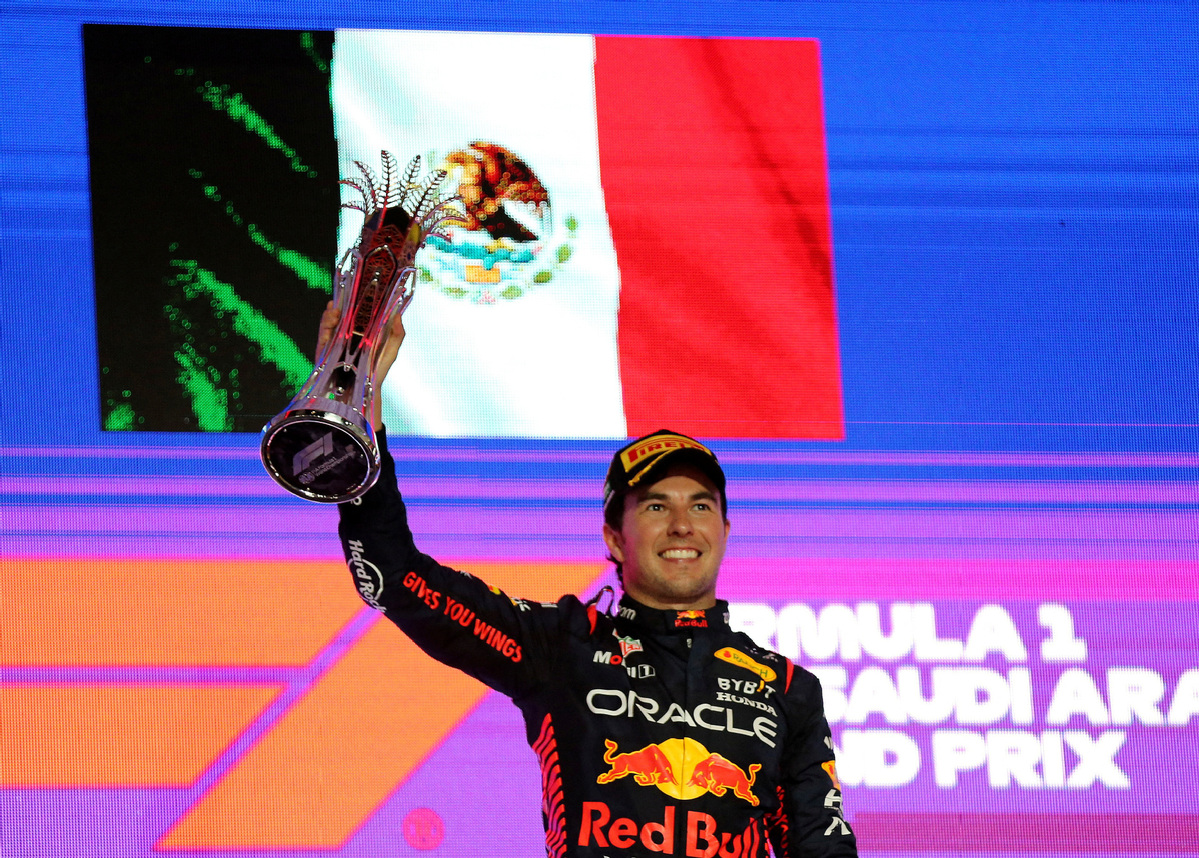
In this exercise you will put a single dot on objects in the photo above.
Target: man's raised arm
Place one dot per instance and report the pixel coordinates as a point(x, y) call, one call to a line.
point(453, 616)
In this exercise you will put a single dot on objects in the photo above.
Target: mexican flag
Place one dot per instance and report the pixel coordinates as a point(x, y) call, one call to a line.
point(647, 241)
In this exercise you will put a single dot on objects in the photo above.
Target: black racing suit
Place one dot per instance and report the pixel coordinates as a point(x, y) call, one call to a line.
point(659, 732)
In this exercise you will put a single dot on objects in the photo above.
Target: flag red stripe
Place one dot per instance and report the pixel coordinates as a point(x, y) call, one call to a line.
point(714, 172)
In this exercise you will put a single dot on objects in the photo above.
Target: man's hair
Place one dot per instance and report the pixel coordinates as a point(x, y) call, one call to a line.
point(613, 517)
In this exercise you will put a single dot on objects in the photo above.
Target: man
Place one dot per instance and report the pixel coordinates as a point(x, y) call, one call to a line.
point(659, 730)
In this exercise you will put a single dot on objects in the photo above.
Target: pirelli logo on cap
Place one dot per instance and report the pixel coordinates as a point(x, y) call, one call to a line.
point(653, 447)
point(636, 461)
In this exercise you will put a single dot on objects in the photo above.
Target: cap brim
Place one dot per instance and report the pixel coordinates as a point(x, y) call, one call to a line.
point(697, 458)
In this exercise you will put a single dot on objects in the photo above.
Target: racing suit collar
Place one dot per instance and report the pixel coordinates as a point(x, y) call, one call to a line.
point(657, 620)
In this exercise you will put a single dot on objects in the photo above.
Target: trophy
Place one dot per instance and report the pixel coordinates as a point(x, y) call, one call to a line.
point(322, 446)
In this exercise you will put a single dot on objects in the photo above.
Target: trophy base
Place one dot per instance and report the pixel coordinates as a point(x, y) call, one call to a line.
point(320, 456)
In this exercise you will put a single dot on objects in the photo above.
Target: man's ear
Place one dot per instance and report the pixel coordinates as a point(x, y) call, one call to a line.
point(615, 541)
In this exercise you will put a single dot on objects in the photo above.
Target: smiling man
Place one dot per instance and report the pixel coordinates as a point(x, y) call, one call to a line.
point(665, 520)
point(660, 730)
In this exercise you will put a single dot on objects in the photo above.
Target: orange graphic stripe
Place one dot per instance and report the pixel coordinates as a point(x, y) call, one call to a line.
point(355, 736)
point(167, 612)
point(337, 753)
point(120, 735)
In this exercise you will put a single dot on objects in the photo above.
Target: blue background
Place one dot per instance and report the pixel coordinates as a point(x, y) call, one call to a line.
point(1012, 189)
point(1016, 248)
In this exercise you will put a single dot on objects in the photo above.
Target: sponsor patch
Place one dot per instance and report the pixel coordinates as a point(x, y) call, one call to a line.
point(656, 446)
point(830, 769)
point(367, 576)
point(628, 645)
point(733, 656)
point(682, 768)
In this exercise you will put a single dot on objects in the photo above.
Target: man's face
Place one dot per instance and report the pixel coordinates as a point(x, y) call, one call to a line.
point(671, 541)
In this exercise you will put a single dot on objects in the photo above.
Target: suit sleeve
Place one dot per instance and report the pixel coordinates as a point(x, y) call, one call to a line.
point(810, 820)
point(454, 617)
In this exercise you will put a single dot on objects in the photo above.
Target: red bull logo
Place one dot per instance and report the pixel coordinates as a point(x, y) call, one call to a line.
point(624, 833)
point(718, 775)
point(681, 768)
point(703, 837)
point(647, 766)
point(690, 618)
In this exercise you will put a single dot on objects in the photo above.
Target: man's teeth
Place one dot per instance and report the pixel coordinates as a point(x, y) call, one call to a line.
point(680, 554)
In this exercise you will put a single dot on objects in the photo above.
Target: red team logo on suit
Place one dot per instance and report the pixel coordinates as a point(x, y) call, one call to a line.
point(681, 768)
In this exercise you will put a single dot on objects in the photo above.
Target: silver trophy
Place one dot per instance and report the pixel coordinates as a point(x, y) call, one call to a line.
point(322, 446)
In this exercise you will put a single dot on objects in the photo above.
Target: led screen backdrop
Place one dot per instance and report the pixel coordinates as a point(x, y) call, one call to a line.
point(204, 143)
point(977, 527)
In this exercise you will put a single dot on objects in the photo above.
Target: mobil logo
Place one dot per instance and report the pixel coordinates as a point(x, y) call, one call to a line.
point(681, 768)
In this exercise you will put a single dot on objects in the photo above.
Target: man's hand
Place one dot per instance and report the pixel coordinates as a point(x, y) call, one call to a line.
point(391, 348)
point(329, 320)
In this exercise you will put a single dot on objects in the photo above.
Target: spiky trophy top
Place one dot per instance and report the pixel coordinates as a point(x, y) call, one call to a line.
point(322, 446)
point(400, 212)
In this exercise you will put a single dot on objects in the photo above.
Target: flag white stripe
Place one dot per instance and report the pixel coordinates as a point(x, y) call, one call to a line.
point(541, 365)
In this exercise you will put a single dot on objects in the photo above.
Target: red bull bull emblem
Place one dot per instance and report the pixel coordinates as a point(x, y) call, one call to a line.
point(718, 775)
point(681, 768)
point(697, 619)
point(647, 766)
